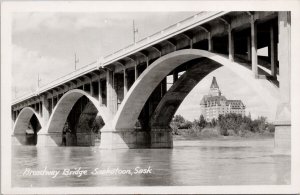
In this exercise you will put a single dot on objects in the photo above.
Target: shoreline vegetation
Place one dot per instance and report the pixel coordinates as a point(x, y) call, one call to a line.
point(226, 127)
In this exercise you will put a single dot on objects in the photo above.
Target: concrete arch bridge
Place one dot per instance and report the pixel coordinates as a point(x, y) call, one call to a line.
point(122, 100)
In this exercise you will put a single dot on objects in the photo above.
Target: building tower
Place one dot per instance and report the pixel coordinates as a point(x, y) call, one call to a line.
point(214, 103)
point(214, 88)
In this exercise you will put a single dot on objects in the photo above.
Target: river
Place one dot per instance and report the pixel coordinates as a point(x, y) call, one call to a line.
point(189, 163)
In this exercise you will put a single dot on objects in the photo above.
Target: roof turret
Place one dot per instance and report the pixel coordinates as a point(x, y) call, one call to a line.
point(214, 83)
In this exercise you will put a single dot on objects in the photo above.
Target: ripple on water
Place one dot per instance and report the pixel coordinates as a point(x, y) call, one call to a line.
point(188, 163)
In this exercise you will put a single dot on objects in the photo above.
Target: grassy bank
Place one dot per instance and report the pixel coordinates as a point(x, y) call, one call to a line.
point(215, 133)
point(229, 126)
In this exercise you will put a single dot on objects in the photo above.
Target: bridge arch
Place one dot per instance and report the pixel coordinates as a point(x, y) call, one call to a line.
point(23, 120)
point(142, 88)
point(64, 106)
point(27, 125)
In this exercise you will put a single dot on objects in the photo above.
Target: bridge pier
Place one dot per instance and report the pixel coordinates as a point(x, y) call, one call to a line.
point(283, 114)
point(49, 139)
point(111, 92)
point(129, 138)
point(254, 46)
point(107, 84)
point(134, 138)
point(18, 139)
point(161, 137)
point(282, 138)
point(56, 139)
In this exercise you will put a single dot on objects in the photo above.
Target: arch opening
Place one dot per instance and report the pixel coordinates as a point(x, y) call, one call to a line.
point(27, 125)
point(196, 70)
point(77, 120)
point(82, 127)
point(139, 93)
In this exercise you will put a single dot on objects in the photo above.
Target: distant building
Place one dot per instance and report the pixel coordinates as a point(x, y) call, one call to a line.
point(214, 104)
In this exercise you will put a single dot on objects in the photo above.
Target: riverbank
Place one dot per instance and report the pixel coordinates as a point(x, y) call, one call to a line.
point(226, 142)
point(214, 134)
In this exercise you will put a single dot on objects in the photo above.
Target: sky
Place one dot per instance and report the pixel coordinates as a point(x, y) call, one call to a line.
point(44, 44)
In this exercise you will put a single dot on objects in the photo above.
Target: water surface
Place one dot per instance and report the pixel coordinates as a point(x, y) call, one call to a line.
point(189, 163)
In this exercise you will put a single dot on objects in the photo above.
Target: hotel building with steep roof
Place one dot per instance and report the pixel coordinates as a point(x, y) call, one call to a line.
point(214, 104)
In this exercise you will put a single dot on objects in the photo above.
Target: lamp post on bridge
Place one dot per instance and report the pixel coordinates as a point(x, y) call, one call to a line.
point(76, 60)
point(135, 31)
point(38, 81)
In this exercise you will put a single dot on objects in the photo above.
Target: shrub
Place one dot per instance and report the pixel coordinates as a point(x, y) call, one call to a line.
point(186, 125)
point(231, 132)
point(224, 132)
point(181, 123)
point(237, 124)
point(210, 132)
point(178, 119)
point(202, 122)
point(271, 128)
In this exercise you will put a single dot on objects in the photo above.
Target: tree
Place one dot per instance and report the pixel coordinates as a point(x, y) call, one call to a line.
point(178, 119)
point(213, 122)
point(186, 125)
point(181, 123)
point(202, 122)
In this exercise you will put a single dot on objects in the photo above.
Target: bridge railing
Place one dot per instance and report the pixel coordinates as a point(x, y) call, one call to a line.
point(158, 35)
point(57, 81)
point(69, 76)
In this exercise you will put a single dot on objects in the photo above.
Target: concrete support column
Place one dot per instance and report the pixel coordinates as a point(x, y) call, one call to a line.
point(269, 47)
point(273, 52)
point(13, 115)
point(40, 109)
point(210, 44)
point(135, 72)
point(45, 110)
point(163, 87)
point(147, 61)
point(283, 114)
point(254, 46)
point(100, 93)
point(191, 43)
point(13, 118)
point(284, 55)
point(111, 93)
point(52, 99)
point(91, 89)
point(126, 82)
point(249, 48)
point(175, 76)
point(230, 43)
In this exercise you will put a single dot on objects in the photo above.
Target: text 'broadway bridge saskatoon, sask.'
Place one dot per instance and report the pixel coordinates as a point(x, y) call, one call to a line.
point(125, 96)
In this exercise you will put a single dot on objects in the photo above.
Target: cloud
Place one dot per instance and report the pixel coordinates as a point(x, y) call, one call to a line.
point(36, 21)
point(45, 42)
point(56, 21)
point(27, 64)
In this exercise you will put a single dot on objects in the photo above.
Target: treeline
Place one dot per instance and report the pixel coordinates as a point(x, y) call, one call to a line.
point(227, 124)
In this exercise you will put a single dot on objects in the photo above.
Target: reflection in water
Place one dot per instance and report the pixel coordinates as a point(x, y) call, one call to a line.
point(241, 162)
